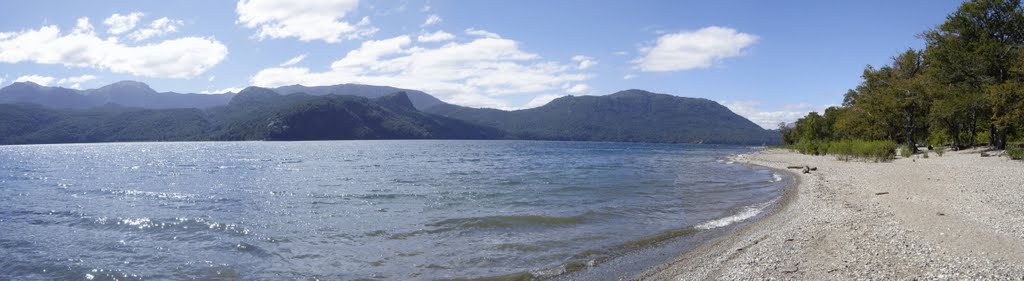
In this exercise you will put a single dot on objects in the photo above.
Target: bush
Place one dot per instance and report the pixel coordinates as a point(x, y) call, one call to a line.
point(811, 147)
point(905, 151)
point(877, 151)
point(1015, 151)
point(939, 150)
point(924, 155)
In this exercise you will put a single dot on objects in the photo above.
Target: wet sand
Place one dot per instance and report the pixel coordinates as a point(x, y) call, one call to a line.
point(960, 216)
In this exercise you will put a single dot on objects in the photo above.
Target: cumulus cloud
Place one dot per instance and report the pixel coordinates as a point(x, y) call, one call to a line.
point(158, 27)
point(178, 58)
point(38, 79)
point(432, 20)
point(693, 49)
point(295, 60)
point(118, 23)
point(223, 91)
point(541, 100)
point(75, 82)
point(628, 76)
point(584, 61)
point(472, 73)
point(313, 20)
point(438, 36)
point(579, 89)
point(770, 119)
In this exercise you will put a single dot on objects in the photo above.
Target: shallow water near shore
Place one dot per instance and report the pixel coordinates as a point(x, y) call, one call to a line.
point(409, 210)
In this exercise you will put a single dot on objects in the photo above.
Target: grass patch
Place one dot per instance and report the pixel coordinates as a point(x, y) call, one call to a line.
point(878, 151)
point(905, 151)
point(1015, 151)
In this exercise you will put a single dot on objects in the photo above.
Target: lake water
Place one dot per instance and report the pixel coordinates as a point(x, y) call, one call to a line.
point(343, 210)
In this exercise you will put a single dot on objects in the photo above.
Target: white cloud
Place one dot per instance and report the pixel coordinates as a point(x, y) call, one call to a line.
point(693, 49)
point(481, 33)
point(82, 26)
point(439, 36)
point(178, 58)
point(470, 73)
point(431, 20)
point(223, 91)
point(771, 119)
point(118, 23)
point(585, 61)
point(38, 79)
point(158, 27)
point(293, 61)
point(312, 20)
point(75, 82)
point(579, 89)
point(628, 76)
point(1, 81)
point(211, 78)
point(541, 100)
point(621, 53)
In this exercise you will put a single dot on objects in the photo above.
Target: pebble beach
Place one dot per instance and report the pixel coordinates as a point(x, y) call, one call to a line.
point(958, 216)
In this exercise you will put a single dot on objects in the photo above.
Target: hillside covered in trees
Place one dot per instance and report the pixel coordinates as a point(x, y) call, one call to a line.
point(625, 116)
point(964, 89)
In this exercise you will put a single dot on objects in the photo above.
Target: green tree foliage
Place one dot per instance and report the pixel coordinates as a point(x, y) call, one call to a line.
point(965, 87)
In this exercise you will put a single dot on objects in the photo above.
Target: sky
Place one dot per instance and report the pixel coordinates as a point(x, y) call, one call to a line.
point(769, 61)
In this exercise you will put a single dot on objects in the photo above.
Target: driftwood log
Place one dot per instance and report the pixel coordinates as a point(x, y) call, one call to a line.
point(806, 169)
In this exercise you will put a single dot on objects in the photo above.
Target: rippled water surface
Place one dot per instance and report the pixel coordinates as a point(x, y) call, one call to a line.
point(418, 210)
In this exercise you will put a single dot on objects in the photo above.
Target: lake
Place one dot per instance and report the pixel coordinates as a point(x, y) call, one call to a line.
point(343, 210)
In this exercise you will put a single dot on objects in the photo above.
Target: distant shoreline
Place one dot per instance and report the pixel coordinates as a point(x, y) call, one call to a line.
point(937, 217)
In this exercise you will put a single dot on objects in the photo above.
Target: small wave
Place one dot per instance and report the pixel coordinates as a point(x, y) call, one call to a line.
point(178, 224)
point(744, 214)
point(141, 193)
point(776, 177)
point(508, 221)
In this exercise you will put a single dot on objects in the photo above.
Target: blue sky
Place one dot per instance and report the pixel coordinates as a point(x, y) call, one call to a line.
point(771, 61)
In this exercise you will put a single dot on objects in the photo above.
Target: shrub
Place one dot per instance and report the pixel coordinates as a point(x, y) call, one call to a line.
point(924, 155)
point(905, 151)
point(811, 147)
point(1015, 151)
point(877, 151)
point(939, 150)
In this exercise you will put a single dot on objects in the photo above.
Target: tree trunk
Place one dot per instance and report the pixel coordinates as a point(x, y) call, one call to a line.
point(1001, 139)
point(974, 128)
point(992, 136)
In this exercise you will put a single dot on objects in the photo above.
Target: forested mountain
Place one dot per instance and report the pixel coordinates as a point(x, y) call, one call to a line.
point(627, 116)
point(262, 114)
point(132, 111)
point(254, 114)
point(125, 93)
point(419, 99)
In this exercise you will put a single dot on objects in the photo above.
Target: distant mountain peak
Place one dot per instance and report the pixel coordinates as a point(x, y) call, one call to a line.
point(122, 88)
point(26, 84)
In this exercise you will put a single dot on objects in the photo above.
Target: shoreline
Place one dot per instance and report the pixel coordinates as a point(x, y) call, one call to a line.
point(910, 218)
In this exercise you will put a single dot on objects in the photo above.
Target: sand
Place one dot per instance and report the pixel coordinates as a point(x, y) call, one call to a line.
point(960, 216)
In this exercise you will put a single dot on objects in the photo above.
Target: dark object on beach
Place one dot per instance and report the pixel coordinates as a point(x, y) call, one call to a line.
point(941, 214)
point(930, 147)
point(814, 168)
point(985, 154)
point(882, 193)
point(807, 170)
point(795, 167)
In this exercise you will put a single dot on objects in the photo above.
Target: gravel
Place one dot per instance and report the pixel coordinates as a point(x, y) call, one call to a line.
point(959, 216)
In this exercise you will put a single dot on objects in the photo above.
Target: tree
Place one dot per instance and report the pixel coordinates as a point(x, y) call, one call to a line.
point(971, 51)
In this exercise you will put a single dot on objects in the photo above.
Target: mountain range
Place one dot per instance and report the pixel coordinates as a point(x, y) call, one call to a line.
point(132, 111)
